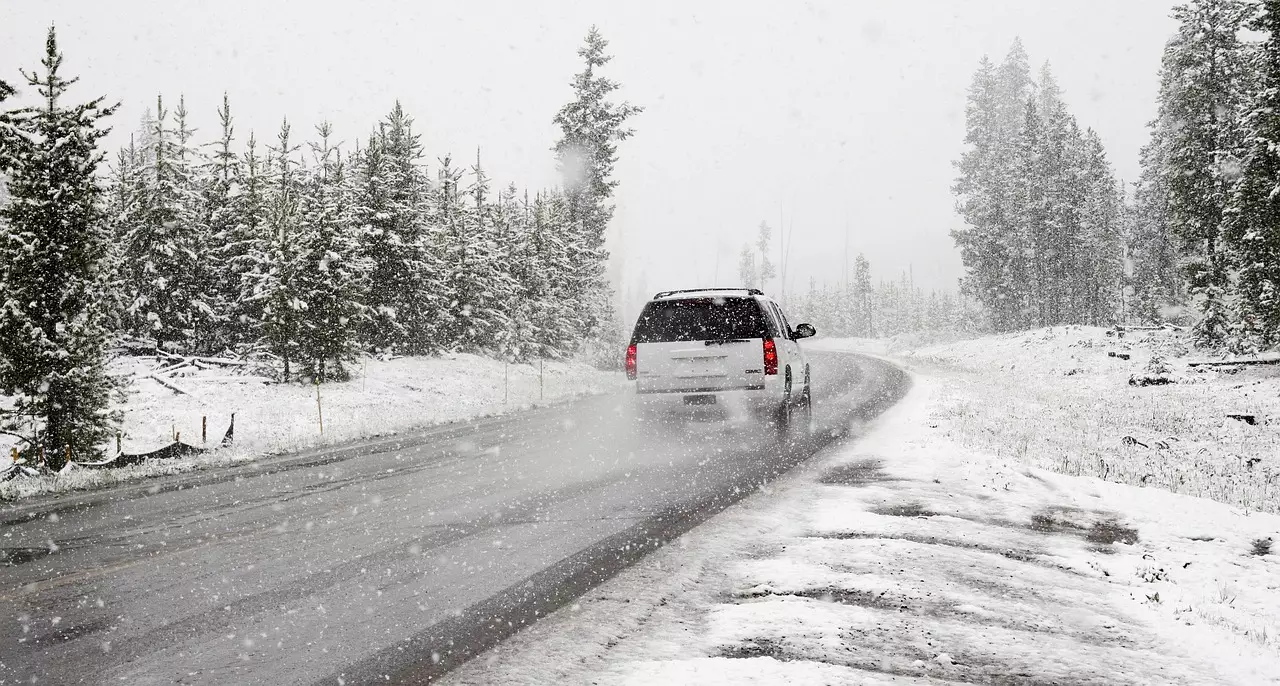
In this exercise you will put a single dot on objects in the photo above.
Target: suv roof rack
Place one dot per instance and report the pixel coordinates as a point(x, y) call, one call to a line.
point(749, 291)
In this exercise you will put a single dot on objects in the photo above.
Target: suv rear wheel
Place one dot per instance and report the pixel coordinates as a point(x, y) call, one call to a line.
point(783, 414)
point(805, 419)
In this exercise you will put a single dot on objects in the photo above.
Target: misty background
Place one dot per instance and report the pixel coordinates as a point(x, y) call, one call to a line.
point(838, 120)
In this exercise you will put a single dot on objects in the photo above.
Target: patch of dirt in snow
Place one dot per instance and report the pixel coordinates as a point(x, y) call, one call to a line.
point(857, 473)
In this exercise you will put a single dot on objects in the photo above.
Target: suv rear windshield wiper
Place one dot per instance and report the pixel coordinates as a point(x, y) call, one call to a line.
point(728, 340)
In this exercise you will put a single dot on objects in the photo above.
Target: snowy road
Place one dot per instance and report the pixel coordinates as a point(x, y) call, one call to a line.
point(325, 568)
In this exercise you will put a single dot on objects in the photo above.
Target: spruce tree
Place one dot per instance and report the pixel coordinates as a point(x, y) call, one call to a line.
point(485, 286)
point(558, 321)
point(1254, 221)
point(391, 204)
point(1098, 270)
point(864, 322)
point(330, 277)
point(505, 213)
point(992, 244)
point(1059, 266)
point(1201, 96)
point(230, 238)
point(591, 125)
point(748, 270)
point(53, 251)
point(766, 269)
point(165, 240)
point(277, 285)
point(1152, 248)
point(1024, 266)
point(239, 250)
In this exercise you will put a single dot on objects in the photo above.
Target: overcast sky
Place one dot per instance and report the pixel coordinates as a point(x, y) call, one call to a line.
point(844, 115)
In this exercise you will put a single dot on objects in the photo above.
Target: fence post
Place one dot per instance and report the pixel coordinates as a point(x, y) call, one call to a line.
point(204, 429)
point(319, 407)
point(540, 389)
point(118, 448)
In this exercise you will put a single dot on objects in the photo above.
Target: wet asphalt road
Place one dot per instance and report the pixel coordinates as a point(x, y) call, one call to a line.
point(388, 561)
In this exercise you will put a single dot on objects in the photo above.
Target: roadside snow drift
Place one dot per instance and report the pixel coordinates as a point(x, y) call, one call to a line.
point(908, 557)
point(384, 397)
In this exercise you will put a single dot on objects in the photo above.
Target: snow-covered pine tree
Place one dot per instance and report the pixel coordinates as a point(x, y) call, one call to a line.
point(53, 254)
point(231, 238)
point(864, 321)
point(1253, 225)
point(168, 300)
point(1153, 252)
point(391, 204)
point(766, 269)
point(7, 131)
point(1028, 212)
point(748, 270)
point(380, 243)
point(240, 251)
point(1202, 96)
point(121, 185)
point(515, 252)
point(515, 230)
point(277, 267)
point(490, 317)
point(193, 165)
point(1099, 270)
point(331, 275)
point(591, 125)
point(558, 320)
point(470, 265)
point(1057, 264)
point(990, 244)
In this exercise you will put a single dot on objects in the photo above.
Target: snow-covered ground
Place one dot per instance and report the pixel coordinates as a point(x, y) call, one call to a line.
point(383, 398)
point(1056, 398)
point(932, 551)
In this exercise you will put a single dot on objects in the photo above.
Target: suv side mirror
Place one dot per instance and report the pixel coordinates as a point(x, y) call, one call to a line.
point(804, 331)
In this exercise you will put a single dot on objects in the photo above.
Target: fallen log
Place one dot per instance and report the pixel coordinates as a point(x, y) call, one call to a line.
point(188, 359)
point(1234, 363)
point(222, 361)
point(242, 379)
point(169, 384)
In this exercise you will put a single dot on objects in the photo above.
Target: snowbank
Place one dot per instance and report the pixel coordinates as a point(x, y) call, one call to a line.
point(915, 556)
point(1058, 399)
point(384, 397)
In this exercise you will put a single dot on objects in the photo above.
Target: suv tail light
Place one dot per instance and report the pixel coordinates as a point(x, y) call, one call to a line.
point(770, 357)
point(631, 361)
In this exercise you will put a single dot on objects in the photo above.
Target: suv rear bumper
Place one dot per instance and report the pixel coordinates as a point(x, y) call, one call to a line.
point(700, 401)
point(712, 390)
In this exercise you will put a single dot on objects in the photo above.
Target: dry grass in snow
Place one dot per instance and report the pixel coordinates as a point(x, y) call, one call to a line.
point(1055, 398)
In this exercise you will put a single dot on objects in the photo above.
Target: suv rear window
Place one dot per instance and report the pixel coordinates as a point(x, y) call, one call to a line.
point(700, 319)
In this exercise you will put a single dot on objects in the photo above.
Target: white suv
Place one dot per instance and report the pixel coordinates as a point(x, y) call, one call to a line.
point(728, 348)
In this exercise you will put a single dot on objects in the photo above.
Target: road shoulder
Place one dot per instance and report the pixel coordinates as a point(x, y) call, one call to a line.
point(904, 558)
